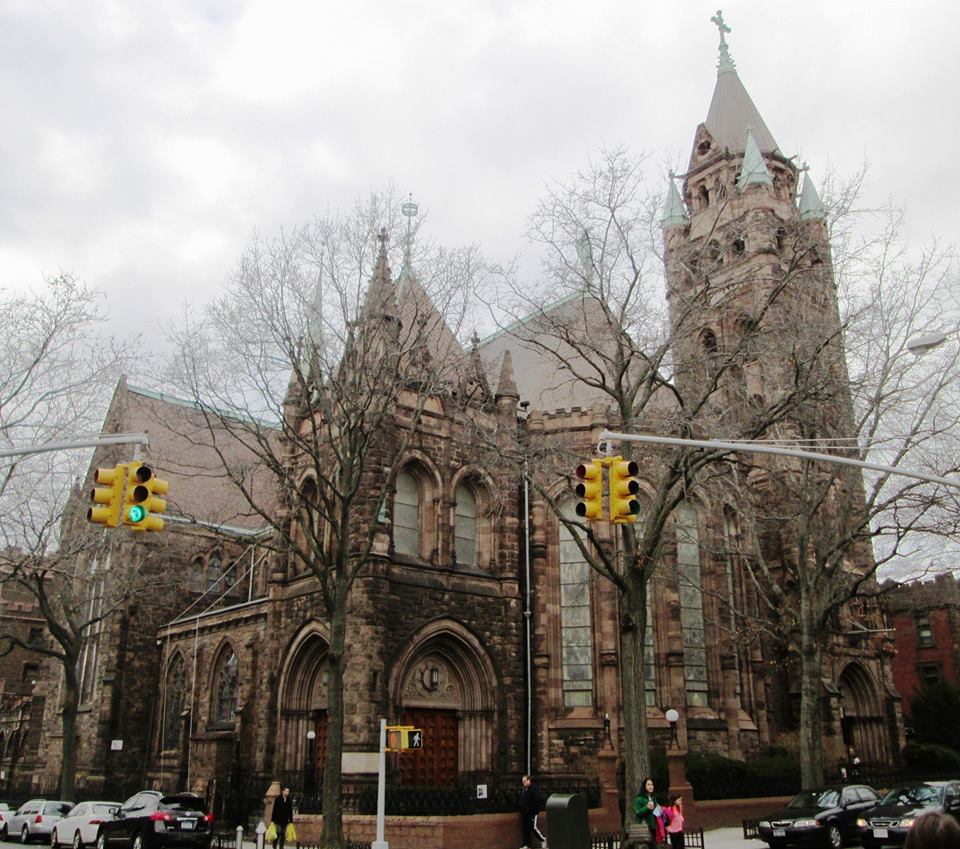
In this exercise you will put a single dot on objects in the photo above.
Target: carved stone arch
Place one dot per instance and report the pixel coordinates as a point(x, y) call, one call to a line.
point(430, 488)
point(445, 673)
point(302, 694)
point(861, 714)
point(481, 487)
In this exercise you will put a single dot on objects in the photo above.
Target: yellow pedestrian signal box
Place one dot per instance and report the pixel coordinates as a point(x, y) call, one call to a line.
point(400, 738)
point(590, 491)
point(108, 493)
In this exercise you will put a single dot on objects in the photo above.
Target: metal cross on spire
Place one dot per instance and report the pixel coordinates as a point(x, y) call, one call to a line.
point(409, 209)
point(726, 61)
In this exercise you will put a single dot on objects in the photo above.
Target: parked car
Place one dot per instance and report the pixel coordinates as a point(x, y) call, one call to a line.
point(80, 826)
point(889, 822)
point(151, 820)
point(35, 819)
point(823, 817)
point(5, 813)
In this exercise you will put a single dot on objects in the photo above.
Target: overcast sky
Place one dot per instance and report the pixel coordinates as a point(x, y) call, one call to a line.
point(144, 142)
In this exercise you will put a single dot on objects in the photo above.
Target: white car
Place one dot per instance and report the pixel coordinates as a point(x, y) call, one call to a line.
point(78, 828)
point(34, 819)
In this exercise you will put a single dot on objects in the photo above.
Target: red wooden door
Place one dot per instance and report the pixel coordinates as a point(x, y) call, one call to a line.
point(435, 765)
point(320, 753)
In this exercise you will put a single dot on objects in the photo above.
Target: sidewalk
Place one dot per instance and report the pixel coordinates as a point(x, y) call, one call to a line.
point(729, 838)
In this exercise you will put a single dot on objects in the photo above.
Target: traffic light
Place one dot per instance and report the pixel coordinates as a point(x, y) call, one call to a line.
point(109, 493)
point(143, 501)
point(590, 491)
point(400, 738)
point(624, 487)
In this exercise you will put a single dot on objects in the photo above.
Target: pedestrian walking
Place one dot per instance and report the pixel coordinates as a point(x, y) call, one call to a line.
point(675, 824)
point(529, 811)
point(282, 816)
point(647, 809)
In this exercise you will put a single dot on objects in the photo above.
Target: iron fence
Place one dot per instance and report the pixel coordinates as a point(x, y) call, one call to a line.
point(751, 829)
point(693, 839)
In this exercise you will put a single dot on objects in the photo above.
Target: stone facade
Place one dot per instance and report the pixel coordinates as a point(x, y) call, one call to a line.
point(221, 690)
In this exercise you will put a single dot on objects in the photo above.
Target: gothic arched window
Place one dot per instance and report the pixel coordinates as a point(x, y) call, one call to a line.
point(175, 697)
point(691, 605)
point(197, 567)
point(213, 571)
point(406, 515)
point(227, 687)
point(465, 531)
point(576, 620)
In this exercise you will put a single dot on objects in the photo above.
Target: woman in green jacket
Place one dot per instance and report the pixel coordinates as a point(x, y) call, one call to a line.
point(647, 809)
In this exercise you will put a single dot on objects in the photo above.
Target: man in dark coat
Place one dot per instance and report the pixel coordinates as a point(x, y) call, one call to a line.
point(529, 809)
point(282, 816)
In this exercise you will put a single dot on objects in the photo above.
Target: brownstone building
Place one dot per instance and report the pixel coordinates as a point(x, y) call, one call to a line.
point(925, 616)
point(483, 627)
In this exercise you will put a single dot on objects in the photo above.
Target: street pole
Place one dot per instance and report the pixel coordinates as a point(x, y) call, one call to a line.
point(89, 442)
point(380, 843)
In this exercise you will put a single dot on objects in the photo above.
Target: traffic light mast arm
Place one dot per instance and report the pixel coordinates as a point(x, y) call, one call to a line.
point(769, 448)
point(89, 442)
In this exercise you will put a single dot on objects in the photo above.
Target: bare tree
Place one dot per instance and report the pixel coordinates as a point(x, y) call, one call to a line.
point(649, 363)
point(332, 362)
point(57, 369)
point(820, 532)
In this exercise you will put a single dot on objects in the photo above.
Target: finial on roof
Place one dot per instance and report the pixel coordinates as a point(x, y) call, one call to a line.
point(726, 60)
point(507, 386)
point(811, 207)
point(674, 212)
point(382, 238)
point(409, 209)
point(753, 171)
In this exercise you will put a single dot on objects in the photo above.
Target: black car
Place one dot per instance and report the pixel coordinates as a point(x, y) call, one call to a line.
point(151, 820)
point(823, 817)
point(889, 822)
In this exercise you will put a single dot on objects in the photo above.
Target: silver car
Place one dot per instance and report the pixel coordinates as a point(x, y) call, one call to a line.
point(34, 820)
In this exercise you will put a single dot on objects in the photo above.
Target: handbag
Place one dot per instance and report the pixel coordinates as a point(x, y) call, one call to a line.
point(271, 834)
point(291, 833)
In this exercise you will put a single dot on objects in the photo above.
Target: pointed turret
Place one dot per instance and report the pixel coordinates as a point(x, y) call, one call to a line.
point(674, 212)
point(381, 300)
point(731, 109)
point(811, 207)
point(754, 171)
point(507, 386)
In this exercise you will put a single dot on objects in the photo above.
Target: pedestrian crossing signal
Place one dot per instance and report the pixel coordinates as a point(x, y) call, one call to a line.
point(400, 738)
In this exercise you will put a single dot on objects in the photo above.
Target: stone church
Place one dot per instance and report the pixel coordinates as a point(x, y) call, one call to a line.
point(481, 627)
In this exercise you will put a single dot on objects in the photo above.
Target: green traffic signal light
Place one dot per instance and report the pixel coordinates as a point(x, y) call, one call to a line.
point(136, 513)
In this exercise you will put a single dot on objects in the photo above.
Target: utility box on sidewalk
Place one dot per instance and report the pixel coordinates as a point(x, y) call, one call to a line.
point(568, 826)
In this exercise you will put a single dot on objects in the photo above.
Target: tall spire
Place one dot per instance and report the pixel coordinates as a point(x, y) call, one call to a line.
point(754, 171)
point(811, 207)
point(381, 301)
point(674, 212)
point(507, 386)
point(731, 109)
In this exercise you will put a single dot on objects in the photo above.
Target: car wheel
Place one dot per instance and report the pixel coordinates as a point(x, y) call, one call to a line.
point(3, 832)
point(101, 841)
point(53, 838)
point(77, 842)
point(834, 837)
point(25, 835)
point(137, 842)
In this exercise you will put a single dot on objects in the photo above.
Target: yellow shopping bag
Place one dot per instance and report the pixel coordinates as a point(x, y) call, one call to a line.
point(291, 834)
point(271, 834)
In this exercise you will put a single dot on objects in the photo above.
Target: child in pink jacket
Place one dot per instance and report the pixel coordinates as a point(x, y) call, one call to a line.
point(675, 826)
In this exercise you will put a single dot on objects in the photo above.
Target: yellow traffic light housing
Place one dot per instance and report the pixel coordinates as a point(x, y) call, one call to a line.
point(590, 491)
point(624, 487)
point(108, 493)
point(143, 499)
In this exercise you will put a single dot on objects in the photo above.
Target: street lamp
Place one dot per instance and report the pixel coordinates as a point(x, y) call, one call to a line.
point(925, 342)
point(672, 716)
point(309, 784)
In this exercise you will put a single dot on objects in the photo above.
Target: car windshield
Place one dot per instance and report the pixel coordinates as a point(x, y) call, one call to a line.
point(110, 810)
point(182, 803)
point(919, 795)
point(57, 808)
point(829, 798)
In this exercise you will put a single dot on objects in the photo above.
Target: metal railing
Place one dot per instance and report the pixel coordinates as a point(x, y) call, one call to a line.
point(692, 837)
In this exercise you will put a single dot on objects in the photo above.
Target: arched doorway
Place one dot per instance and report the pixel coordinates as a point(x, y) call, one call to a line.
point(302, 711)
point(444, 683)
point(861, 716)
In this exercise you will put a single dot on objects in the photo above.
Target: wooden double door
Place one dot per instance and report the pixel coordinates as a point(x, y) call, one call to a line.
point(435, 765)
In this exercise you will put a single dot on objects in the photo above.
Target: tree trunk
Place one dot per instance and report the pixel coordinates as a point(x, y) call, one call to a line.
point(332, 834)
point(71, 701)
point(633, 626)
point(811, 720)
